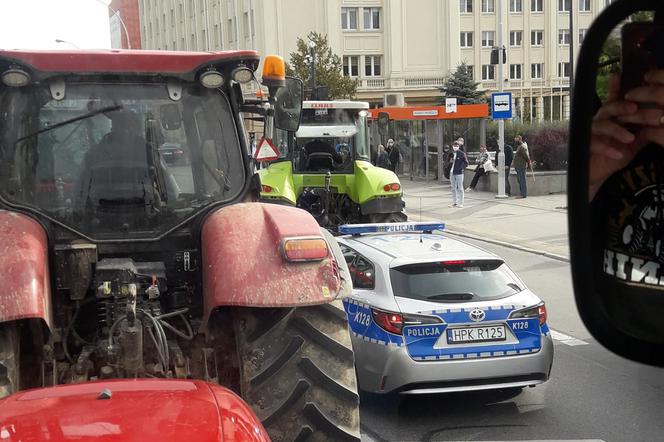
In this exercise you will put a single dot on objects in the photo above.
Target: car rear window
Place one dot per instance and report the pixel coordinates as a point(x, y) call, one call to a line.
point(455, 281)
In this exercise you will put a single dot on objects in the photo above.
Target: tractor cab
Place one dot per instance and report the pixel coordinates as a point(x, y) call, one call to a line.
point(325, 168)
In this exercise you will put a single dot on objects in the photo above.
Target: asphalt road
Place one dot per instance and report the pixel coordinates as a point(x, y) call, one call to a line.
point(592, 394)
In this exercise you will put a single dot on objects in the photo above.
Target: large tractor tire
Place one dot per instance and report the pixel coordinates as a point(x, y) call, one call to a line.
point(297, 372)
point(396, 217)
point(10, 348)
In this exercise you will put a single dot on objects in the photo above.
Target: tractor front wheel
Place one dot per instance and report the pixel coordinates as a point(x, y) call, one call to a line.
point(297, 372)
point(9, 358)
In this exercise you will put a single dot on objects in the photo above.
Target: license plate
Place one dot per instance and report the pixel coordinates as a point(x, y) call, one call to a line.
point(476, 334)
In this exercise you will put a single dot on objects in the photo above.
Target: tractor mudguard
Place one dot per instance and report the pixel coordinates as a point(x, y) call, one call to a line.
point(24, 276)
point(243, 264)
point(278, 178)
point(370, 181)
point(115, 410)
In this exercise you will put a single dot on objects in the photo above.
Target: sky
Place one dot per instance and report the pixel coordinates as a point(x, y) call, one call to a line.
point(36, 24)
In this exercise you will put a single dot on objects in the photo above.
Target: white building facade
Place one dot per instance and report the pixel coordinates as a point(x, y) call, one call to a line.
point(402, 47)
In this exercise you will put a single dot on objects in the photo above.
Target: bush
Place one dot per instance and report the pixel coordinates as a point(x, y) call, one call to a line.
point(547, 142)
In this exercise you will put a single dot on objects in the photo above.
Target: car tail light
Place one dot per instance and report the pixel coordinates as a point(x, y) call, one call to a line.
point(394, 322)
point(391, 187)
point(389, 321)
point(267, 189)
point(454, 262)
point(305, 249)
point(537, 311)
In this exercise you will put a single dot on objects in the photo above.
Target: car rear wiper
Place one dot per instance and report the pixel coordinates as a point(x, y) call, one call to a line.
point(514, 286)
point(463, 296)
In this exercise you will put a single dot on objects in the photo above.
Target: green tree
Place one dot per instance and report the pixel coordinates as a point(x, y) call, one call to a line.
point(328, 67)
point(609, 63)
point(460, 85)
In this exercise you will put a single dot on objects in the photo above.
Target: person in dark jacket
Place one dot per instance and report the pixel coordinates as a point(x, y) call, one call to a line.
point(459, 163)
point(383, 160)
point(394, 153)
point(521, 162)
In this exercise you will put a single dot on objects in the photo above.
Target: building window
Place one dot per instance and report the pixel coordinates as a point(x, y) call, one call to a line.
point(488, 6)
point(349, 18)
point(563, 69)
point(608, 2)
point(563, 37)
point(488, 38)
point(466, 39)
point(516, 6)
point(537, 71)
point(536, 6)
point(471, 70)
point(351, 65)
point(515, 72)
point(564, 5)
point(515, 38)
point(371, 18)
point(488, 72)
point(584, 5)
point(466, 6)
point(536, 38)
point(372, 65)
point(582, 34)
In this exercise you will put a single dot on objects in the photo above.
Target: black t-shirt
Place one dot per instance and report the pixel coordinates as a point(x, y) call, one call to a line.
point(627, 231)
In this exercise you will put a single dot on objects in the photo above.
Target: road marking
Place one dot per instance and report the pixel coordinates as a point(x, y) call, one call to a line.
point(566, 339)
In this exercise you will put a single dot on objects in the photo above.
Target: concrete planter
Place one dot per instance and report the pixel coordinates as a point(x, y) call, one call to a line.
point(546, 182)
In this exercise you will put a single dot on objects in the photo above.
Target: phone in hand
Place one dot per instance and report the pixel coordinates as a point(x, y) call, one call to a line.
point(639, 53)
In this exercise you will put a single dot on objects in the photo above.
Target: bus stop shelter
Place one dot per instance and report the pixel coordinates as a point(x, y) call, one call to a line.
point(424, 135)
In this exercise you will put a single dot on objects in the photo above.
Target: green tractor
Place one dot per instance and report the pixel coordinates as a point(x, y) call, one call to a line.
point(325, 168)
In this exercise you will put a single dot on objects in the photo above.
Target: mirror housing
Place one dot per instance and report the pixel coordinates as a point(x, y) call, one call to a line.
point(623, 315)
point(288, 105)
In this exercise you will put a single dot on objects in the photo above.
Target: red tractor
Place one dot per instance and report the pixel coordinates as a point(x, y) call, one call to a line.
point(147, 282)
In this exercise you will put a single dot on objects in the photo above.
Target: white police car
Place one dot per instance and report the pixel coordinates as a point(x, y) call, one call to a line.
point(434, 314)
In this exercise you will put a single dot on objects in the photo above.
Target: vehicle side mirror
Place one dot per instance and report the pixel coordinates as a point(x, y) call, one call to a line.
point(288, 105)
point(170, 117)
point(616, 206)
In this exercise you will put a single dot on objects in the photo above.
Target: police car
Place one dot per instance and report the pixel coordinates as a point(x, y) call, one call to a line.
point(434, 314)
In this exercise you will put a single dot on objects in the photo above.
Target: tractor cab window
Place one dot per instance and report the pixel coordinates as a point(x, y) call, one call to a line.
point(118, 160)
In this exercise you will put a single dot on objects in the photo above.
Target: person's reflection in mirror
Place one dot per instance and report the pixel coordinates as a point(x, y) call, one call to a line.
point(613, 146)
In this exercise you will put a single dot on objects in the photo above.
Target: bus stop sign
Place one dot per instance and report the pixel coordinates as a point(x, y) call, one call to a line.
point(501, 105)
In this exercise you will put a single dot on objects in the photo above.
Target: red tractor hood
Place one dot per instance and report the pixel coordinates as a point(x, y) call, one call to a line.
point(142, 410)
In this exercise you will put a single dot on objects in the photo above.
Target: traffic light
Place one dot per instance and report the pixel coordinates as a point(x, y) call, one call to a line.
point(494, 55)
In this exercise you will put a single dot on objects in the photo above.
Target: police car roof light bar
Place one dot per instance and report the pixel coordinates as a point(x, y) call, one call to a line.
point(359, 229)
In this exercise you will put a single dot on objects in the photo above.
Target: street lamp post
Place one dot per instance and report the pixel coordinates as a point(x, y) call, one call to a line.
point(501, 122)
point(312, 59)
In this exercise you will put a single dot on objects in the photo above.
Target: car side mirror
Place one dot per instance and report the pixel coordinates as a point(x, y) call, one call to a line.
point(616, 221)
point(170, 117)
point(288, 105)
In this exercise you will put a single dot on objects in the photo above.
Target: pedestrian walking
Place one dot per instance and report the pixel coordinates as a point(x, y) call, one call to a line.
point(394, 155)
point(480, 167)
point(459, 162)
point(521, 162)
point(382, 158)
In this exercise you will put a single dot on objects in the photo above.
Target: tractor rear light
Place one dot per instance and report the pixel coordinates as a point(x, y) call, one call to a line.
point(391, 187)
point(15, 78)
point(305, 249)
point(267, 189)
point(389, 321)
point(211, 79)
point(242, 74)
point(386, 188)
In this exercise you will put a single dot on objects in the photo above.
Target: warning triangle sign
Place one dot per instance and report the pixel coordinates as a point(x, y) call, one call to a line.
point(266, 151)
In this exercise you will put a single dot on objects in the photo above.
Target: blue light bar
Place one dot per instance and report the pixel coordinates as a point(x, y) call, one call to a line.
point(358, 229)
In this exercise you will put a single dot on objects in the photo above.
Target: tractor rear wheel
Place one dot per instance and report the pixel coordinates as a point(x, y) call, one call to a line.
point(297, 371)
point(10, 347)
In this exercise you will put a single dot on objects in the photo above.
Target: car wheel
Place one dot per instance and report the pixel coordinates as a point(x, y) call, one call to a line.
point(297, 371)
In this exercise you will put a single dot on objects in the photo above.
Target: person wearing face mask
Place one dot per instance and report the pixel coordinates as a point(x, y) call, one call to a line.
point(459, 162)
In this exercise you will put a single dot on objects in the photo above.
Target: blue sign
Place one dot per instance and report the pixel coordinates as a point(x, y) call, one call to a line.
point(501, 105)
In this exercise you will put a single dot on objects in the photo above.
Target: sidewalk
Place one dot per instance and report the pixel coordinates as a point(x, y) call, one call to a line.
point(536, 224)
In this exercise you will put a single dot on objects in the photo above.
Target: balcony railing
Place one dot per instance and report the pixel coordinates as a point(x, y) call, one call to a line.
point(423, 81)
point(371, 83)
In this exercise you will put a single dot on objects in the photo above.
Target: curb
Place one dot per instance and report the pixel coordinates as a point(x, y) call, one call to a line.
point(508, 245)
